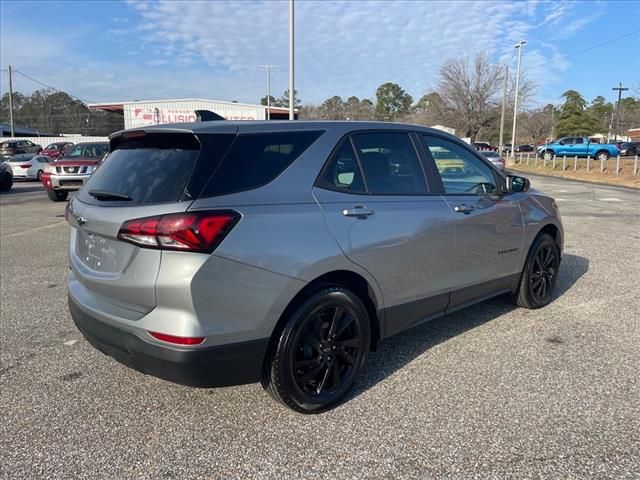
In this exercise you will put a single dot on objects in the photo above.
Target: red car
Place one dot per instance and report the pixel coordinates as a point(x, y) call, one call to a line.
point(57, 149)
point(69, 173)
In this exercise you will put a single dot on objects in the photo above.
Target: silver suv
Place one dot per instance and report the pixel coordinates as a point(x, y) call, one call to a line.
point(221, 253)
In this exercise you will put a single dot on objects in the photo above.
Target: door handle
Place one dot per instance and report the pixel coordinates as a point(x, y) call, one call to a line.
point(358, 211)
point(463, 208)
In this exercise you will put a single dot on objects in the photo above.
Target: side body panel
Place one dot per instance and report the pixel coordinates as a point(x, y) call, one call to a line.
point(406, 245)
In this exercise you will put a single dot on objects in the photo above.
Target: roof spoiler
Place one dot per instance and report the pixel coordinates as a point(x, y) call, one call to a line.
point(207, 116)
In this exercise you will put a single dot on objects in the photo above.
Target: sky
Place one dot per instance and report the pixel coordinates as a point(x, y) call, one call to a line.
point(103, 51)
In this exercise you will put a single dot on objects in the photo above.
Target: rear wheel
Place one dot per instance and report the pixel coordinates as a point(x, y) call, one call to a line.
point(39, 176)
point(540, 274)
point(320, 352)
point(6, 182)
point(57, 195)
point(603, 155)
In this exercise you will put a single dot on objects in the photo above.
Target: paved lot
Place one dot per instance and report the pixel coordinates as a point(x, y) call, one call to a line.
point(489, 392)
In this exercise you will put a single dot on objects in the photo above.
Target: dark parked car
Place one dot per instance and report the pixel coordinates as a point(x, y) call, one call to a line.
point(6, 177)
point(219, 253)
point(629, 148)
point(57, 149)
point(525, 148)
point(484, 146)
point(9, 148)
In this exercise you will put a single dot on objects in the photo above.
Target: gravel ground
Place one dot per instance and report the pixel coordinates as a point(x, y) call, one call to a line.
point(488, 392)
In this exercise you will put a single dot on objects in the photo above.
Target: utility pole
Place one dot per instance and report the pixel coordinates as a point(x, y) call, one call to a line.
point(515, 103)
point(553, 123)
point(268, 68)
point(11, 102)
point(504, 107)
point(291, 87)
point(619, 88)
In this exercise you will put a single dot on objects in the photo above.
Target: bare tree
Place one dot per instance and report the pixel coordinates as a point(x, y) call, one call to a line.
point(469, 91)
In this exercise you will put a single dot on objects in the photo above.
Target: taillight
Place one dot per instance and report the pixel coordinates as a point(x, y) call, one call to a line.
point(66, 211)
point(25, 165)
point(177, 340)
point(191, 232)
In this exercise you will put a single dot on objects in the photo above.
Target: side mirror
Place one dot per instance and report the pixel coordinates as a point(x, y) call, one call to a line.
point(516, 184)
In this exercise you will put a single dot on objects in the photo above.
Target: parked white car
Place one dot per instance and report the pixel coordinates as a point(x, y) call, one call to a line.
point(27, 166)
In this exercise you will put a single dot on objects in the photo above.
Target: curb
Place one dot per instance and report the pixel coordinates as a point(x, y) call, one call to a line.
point(576, 180)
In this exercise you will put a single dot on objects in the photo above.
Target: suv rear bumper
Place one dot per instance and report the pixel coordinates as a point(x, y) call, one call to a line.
point(218, 366)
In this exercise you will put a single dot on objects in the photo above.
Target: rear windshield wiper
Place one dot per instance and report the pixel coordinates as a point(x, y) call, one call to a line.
point(104, 195)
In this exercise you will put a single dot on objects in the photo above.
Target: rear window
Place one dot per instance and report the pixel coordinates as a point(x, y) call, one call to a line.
point(256, 159)
point(93, 150)
point(150, 169)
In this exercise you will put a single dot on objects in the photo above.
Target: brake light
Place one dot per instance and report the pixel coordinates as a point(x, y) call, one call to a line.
point(191, 232)
point(25, 165)
point(177, 340)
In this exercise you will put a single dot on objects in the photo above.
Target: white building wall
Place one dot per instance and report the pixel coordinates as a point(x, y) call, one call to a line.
point(141, 114)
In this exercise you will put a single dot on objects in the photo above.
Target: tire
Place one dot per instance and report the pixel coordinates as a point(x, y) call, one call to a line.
point(6, 183)
point(57, 195)
point(540, 274)
point(602, 155)
point(548, 155)
point(39, 176)
point(319, 353)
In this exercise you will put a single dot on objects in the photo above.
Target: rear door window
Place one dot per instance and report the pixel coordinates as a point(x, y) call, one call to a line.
point(390, 163)
point(256, 159)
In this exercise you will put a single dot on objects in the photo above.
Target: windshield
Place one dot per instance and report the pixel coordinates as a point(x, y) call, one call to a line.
point(53, 146)
point(491, 154)
point(89, 150)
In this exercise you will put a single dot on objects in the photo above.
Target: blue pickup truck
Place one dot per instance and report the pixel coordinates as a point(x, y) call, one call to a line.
point(578, 146)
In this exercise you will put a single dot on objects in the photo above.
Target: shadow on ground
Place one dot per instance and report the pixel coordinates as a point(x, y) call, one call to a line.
point(396, 352)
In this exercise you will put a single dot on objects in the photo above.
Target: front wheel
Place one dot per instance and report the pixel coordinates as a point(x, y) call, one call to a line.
point(319, 354)
point(603, 156)
point(548, 155)
point(57, 195)
point(539, 275)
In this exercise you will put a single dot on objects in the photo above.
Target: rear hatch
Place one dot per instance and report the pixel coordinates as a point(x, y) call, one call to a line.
point(147, 174)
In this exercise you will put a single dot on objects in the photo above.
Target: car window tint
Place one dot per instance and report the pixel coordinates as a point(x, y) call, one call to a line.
point(343, 171)
point(461, 171)
point(390, 163)
point(579, 140)
point(256, 159)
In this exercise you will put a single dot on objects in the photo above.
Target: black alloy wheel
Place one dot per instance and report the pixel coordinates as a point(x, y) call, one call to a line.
point(540, 273)
point(543, 272)
point(320, 352)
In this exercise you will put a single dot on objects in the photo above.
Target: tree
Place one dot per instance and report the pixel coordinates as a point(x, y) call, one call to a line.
point(392, 102)
point(273, 101)
point(536, 125)
point(429, 110)
point(284, 100)
point(469, 93)
point(53, 111)
point(333, 108)
point(574, 119)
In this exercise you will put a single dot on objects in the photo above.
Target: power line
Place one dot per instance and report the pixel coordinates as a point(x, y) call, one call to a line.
point(52, 88)
point(607, 42)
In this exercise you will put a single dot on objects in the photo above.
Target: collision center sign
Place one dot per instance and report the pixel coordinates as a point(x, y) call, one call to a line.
point(142, 116)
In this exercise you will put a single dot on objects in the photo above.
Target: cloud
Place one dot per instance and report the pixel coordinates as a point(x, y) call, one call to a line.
point(214, 49)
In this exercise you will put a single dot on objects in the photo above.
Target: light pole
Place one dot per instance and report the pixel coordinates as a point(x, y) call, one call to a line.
point(291, 88)
point(268, 68)
point(504, 107)
point(515, 103)
point(620, 89)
